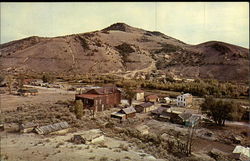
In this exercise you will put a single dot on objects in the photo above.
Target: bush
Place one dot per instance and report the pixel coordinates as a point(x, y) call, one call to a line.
point(79, 109)
point(48, 78)
point(104, 159)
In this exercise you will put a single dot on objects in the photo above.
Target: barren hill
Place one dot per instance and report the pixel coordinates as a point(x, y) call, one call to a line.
point(121, 48)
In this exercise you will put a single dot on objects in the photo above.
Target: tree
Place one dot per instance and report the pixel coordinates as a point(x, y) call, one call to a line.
point(129, 92)
point(47, 78)
point(20, 79)
point(78, 109)
point(219, 110)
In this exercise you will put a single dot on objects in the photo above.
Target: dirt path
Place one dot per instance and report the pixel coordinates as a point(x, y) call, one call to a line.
point(130, 74)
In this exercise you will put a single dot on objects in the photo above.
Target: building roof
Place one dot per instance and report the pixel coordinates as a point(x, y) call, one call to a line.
point(27, 90)
point(88, 96)
point(139, 91)
point(159, 110)
point(146, 104)
point(167, 98)
point(52, 128)
point(28, 125)
point(185, 95)
point(185, 116)
point(129, 110)
point(152, 96)
point(104, 90)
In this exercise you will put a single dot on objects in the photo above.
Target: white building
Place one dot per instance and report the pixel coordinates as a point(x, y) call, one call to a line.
point(139, 94)
point(184, 100)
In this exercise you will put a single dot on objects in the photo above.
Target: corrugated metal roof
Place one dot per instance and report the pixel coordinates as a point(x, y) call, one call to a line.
point(52, 128)
point(152, 96)
point(185, 115)
point(129, 110)
point(146, 104)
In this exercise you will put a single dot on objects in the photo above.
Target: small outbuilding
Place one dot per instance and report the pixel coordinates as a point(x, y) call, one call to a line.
point(152, 98)
point(139, 94)
point(27, 127)
point(56, 128)
point(124, 113)
point(145, 107)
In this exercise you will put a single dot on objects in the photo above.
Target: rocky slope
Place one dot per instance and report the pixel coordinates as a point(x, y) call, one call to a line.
point(121, 48)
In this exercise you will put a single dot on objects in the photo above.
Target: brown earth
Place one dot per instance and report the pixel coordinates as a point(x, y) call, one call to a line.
point(121, 48)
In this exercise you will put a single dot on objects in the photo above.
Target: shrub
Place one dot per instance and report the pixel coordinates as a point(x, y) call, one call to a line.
point(79, 109)
point(103, 159)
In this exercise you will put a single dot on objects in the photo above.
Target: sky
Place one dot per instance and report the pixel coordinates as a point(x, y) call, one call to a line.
point(191, 22)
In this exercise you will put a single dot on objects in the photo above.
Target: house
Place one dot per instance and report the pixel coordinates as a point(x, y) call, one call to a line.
point(184, 100)
point(165, 100)
point(168, 115)
point(159, 110)
point(28, 127)
point(100, 99)
point(145, 107)
point(152, 98)
point(124, 113)
point(27, 91)
point(139, 94)
point(56, 128)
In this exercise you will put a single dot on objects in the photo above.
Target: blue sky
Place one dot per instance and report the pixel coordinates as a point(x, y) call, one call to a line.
point(191, 22)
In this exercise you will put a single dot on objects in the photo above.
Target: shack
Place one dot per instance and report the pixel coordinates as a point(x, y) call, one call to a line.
point(27, 127)
point(125, 113)
point(145, 107)
point(56, 128)
point(27, 91)
point(139, 94)
point(152, 98)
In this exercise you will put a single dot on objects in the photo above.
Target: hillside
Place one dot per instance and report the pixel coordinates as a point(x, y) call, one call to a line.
point(121, 49)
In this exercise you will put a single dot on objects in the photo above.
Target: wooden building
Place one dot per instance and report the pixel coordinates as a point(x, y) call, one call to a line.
point(145, 107)
point(139, 94)
point(124, 113)
point(152, 98)
point(27, 127)
point(57, 128)
point(100, 99)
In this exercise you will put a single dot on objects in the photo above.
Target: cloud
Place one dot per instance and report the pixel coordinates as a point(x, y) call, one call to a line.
point(193, 23)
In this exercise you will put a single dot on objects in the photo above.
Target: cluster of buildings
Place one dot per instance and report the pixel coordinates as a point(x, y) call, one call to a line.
point(102, 98)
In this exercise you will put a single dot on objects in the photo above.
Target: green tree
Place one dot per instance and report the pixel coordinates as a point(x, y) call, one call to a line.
point(219, 110)
point(78, 109)
point(129, 92)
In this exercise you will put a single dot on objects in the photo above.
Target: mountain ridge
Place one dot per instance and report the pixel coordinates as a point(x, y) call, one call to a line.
point(121, 48)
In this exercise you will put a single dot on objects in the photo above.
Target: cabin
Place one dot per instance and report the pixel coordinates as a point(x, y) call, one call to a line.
point(184, 100)
point(168, 115)
point(124, 113)
point(27, 91)
point(159, 110)
point(139, 94)
point(145, 107)
point(152, 98)
point(28, 127)
point(57, 128)
point(100, 99)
